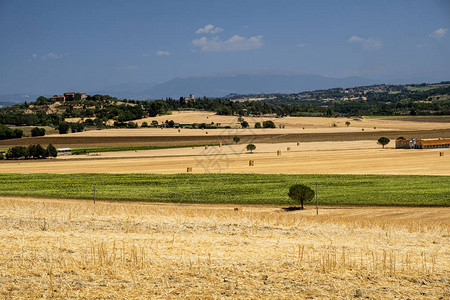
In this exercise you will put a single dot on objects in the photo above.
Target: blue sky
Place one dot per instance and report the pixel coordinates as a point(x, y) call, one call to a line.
point(55, 46)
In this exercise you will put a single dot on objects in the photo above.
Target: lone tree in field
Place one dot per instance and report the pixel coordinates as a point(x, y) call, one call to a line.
point(300, 192)
point(236, 139)
point(347, 123)
point(251, 147)
point(383, 141)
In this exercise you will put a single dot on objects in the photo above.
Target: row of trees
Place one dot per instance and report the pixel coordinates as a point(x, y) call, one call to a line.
point(31, 152)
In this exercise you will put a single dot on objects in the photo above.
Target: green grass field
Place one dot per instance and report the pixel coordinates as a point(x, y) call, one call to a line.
point(233, 188)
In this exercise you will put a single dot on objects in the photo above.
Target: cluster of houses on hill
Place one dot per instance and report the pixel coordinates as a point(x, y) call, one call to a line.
point(422, 144)
point(70, 96)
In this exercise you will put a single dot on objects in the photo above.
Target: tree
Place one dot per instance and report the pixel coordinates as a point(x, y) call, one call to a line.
point(51, 151)
point(244, 124)
point(269, 124)
point(36, 131)
point(251, 147)
point(63, 127)
point(8, 133)
point(347, 123)
point(144, 124)
point(300, 192)
point(383, 141)
point(236, 139)
point(76, 127)
point(16, 152)
point(154, 123)
point(36, 151)
point(258, 125)
point(401, 138)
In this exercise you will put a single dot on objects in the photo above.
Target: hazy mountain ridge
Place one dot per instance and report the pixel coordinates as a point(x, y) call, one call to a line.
point(219, 86)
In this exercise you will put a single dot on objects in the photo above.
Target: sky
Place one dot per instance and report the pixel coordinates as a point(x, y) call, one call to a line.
point(52, 46)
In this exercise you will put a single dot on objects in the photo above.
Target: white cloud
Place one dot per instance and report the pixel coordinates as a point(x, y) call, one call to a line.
point(34, 55)
point(419, 46)
point(302, 45)
point(129, 67)
point(209, 29)
point(162, 53)
point(235, 43)
point(52, 55)
point(438, 33)
point(367, 44)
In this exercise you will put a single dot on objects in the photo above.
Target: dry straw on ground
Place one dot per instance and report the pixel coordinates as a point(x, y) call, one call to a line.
point(75, 249)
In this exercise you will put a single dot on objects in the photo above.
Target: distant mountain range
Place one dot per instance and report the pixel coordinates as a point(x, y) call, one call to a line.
point(11, 99)
point(222, 85)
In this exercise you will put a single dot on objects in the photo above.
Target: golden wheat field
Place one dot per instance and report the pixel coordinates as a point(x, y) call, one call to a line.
point(66, 249)
point(350, 157)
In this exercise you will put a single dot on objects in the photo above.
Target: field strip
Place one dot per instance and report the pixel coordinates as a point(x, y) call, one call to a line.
point(432, 214)
point(74, 249)
point(211, 160)
point(108, 138)
point(250, 189)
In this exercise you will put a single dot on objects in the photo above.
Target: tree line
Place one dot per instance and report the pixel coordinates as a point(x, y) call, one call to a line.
point(30, 152)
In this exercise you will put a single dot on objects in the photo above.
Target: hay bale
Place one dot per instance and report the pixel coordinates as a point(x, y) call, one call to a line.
point(179, 130)
point(279, 152)
point(207, 132)
point(189, 169)
point(288, 148)
point(362, 129)
point(441, 153)
point(298, 143)
point(251, 163)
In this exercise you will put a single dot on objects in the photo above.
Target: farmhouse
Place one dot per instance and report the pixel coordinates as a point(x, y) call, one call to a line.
point(439, 143)
point(64, 151)
point(422, 144)
point(405, 144)
point(75, 96)
point(58, 98)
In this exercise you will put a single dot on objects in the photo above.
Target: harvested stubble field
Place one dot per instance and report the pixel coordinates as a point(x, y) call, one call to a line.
point(355, 157)
point(67, 249)
point(305, 129)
